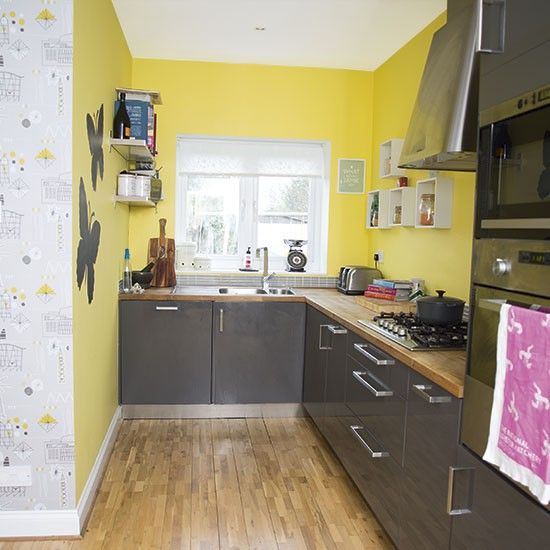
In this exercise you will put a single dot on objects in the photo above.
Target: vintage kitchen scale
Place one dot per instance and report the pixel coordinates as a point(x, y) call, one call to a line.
point(296, 259)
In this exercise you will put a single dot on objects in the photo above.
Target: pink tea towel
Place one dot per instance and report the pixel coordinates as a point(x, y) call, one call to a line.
point(519, 435)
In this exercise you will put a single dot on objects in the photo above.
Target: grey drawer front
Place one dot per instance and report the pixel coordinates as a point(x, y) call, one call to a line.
point(383, 416)
point(379, 363)
point(378, 479)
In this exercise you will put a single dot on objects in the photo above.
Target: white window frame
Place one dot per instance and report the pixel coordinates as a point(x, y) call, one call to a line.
point(316, 249)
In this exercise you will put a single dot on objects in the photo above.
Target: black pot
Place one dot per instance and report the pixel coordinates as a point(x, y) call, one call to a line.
point(144, 278)
point(439, 310)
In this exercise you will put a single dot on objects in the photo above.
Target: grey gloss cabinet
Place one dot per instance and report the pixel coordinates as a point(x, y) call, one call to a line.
point(165, 352)
point(324, 370)
point(315, 366)
point(375, 396)
point(500, 515)
point(258, 352)
point(430, 448)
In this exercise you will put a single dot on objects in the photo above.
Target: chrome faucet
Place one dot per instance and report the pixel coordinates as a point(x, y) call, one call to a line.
point(265, 276)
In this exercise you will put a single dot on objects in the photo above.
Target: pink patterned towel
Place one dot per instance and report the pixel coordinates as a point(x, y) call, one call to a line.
point(519, 435)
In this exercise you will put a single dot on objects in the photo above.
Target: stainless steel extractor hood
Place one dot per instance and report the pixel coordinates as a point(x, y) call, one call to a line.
point(442, 132)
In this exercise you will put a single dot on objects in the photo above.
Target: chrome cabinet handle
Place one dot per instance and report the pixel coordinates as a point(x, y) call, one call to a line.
point(336, 329)
point(167, 308)
point(450, 490)
point(321, 346)
point(221, 320)
point(373, 454)
point(385, 392)
point(423, 389)
point(362, 349)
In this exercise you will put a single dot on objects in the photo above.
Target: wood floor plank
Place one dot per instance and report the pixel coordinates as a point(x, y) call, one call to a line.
point(204, 514)
point(259, 527)
point(262, 484)
point(231, 522)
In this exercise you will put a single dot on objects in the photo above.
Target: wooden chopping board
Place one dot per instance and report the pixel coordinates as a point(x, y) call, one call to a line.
point(162, 251)
point(377, 305)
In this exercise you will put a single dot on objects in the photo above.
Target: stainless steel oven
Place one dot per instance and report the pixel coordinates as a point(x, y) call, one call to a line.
point(505, 271)
point(513, 181)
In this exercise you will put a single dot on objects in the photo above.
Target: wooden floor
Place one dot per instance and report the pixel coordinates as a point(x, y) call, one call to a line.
point(238, 483)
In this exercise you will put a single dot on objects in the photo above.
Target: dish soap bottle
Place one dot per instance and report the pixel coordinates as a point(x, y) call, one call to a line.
point(127, 272)
point(248, 259)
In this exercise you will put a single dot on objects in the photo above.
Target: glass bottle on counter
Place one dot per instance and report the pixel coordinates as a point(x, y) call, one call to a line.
point(127, 272)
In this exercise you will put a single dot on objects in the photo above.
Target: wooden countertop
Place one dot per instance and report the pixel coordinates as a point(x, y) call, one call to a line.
point(445, 368)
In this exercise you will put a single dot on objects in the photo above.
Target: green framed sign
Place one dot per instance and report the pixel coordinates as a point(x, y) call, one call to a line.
point(351, 176)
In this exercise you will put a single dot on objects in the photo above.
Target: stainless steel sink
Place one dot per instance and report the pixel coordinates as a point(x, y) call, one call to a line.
point(282, 292)
point(241, 291)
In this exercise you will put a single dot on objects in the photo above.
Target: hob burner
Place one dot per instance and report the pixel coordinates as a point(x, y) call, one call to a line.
point(413, 334)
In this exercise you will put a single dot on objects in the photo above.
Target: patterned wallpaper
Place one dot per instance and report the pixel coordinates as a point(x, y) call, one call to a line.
point(36, 378)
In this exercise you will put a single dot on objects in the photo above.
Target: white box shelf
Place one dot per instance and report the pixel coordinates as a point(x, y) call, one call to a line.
point(442, 190)
point(383, 198)
point(390, 151)
point(404, 197)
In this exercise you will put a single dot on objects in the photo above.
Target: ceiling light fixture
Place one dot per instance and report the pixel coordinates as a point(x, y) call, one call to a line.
point(259, 28)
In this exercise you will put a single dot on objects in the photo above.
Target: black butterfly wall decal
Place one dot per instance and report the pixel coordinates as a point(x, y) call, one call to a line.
point(88, 245)
point(94, 126)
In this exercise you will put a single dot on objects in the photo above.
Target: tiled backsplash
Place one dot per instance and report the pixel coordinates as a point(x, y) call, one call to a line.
point(236, 279)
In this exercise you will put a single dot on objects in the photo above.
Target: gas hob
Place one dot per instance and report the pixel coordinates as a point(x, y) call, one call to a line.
point(406, 330)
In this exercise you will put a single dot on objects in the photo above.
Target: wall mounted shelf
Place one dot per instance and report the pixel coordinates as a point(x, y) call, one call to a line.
point(132, 150)
point(382, 197)
point(135, 201)
point(403, 199)
point(442, 190)
point(154, 96)
point(390, 151)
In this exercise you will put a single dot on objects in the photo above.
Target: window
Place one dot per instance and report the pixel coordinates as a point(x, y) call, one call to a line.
point(235, 193)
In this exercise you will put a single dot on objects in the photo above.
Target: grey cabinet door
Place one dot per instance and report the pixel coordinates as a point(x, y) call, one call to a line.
point(502, 517)
point(335, 393)
point(165, 352)
point(430, 447)
point(258, 352)
point(523, 66)
point(315, 365)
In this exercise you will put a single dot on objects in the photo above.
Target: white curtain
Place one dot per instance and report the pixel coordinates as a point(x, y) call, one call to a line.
point(242, 157)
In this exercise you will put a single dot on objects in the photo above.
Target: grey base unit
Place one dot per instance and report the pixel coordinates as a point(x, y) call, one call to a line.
point(491, 513)
point(258, 352)
point(430, 446)
point(165, 352)
point(324, 369)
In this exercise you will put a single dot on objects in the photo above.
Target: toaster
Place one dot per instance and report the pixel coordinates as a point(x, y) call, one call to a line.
point(354, 279)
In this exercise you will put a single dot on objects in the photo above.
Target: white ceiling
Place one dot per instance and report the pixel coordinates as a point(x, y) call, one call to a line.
point(348, 34)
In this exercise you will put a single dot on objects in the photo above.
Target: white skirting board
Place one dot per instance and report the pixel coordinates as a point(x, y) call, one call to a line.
point(39, 523)
point(94, 479)
point(62, 523)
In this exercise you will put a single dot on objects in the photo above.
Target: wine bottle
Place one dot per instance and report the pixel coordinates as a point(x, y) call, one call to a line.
point(121, 122)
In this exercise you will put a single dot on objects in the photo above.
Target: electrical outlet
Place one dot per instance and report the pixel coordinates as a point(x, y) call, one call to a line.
point(380, 254)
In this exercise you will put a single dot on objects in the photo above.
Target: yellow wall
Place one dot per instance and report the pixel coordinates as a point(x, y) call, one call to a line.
point(261, 101)
point(101, 62)
point(441, 257)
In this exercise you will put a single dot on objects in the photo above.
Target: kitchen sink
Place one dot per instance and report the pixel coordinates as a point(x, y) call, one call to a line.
point(282, 292)
point(241, 291)
point(256, 291)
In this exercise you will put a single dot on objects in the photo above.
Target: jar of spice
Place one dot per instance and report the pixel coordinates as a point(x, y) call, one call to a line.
point(426, 209)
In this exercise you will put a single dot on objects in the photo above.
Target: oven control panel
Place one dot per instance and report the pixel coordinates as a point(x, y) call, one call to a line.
point(534, 258)
point(513, 264)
